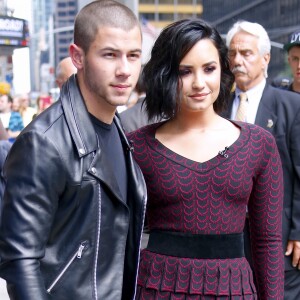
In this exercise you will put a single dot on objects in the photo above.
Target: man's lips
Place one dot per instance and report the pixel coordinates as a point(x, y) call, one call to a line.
point(121, 86)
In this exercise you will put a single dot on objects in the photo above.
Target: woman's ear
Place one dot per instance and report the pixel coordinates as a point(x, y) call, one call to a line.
point(77, 56)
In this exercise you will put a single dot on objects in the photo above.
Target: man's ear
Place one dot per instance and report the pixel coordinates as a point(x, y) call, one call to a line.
point(77, 56)
point(266, 59)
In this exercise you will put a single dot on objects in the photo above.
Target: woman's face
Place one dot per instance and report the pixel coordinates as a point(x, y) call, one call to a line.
point(200, 72)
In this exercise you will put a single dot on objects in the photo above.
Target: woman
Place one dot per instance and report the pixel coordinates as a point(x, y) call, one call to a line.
point(202, 171)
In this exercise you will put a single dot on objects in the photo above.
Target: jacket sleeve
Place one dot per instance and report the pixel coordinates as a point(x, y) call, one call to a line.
point(295, 158)
point(34, 180)
point(265, 217)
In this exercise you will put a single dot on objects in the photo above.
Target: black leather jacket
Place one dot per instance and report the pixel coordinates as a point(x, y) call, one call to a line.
point(52, 231)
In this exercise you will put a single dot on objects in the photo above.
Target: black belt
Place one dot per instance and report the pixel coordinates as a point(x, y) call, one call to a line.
point(200, 246)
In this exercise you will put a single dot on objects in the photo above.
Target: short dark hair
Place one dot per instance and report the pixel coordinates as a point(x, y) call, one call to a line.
point(101, 13)
point(161, 73)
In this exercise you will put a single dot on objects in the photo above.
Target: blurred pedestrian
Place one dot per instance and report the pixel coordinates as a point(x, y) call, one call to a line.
point(293, 49)
point(27, 112)
point(64, 70)
point(74, 201)
point(136, 116)
point(202, 171)
point(43, 101)
point(11, 120)
point(4, 148)
point(278, 112)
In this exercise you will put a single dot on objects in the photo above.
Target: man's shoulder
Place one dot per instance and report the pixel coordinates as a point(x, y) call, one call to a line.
point(47, 119)
point(282, 95)
point(281, 82)
point(131, 112)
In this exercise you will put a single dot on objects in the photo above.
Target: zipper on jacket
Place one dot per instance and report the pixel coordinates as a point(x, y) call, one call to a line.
point(77, 255)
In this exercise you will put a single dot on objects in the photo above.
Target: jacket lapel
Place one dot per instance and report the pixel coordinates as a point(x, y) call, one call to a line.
point(265, 116)
point(79, 122)
point(101, 169)
point(85, 137)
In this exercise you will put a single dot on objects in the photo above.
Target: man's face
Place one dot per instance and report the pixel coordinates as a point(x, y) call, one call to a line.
point(111, 67)
point(294, 62)
point(246, 62)
point(5, 106)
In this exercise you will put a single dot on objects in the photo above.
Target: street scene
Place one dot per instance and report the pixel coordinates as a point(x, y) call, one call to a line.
point(149, 149)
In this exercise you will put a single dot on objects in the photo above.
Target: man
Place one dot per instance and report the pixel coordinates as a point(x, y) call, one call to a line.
point(64, 70)
point(293, 50)
point(74, 201)
point(11, 120)
point(277, 111)
point(27, 112)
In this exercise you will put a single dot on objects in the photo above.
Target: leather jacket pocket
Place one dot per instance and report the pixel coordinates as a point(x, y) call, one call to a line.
point(77, 255)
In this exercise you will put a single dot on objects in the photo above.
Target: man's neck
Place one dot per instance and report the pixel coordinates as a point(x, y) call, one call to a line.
point(296, 87)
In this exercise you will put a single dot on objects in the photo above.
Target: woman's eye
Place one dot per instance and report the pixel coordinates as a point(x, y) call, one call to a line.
point(184, 72)
point(210, 69)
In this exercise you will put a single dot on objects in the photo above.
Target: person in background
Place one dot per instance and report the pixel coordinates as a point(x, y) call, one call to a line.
point(3, 132)
point(135, 116)
point(27, 112)
point(277, 111)
point(74, 202)
point(43, 101)
point(293, 50)
point(64, 70)
point(11, 120)
point(4, 148)
point(15, 104)
point(201, 172)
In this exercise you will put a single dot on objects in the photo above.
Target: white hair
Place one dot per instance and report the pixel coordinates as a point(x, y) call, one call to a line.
point(255, 29)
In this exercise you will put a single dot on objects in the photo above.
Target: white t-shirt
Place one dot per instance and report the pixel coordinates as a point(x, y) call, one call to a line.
point(5, 119)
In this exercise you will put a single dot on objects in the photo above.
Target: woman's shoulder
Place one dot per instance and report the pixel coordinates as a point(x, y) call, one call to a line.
point(143, 132)
point(257, 133)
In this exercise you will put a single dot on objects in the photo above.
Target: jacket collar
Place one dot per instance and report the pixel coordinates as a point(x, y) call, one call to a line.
point(77, 117)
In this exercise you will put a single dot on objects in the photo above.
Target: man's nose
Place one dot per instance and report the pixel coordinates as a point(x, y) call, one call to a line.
point(236, 59)
point(123, 68)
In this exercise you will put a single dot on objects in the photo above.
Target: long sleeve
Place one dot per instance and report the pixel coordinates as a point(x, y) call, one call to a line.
point(33, 181)
point(265, 217)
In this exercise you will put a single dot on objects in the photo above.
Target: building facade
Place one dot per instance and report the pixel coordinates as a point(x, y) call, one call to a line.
point(56, 19)
point(279, 17)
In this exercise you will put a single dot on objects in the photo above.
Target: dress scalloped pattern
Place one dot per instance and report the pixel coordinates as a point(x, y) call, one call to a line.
point(211, 198)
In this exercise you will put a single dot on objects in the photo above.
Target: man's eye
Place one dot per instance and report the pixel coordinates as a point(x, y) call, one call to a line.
point(109, 54)
point(247, 53)
point(134, 56)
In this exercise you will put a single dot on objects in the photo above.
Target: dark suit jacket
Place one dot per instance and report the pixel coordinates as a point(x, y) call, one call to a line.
point(136, 117)
point(279, 113)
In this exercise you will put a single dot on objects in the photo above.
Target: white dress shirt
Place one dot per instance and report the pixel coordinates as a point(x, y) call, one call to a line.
point(254, 95)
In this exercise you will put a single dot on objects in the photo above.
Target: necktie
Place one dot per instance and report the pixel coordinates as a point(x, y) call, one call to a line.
point(242, 109)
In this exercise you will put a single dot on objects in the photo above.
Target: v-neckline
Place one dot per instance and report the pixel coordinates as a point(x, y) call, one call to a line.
point(218, 159)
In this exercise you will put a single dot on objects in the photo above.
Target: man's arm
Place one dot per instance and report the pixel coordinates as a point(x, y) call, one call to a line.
point(33, 174)
point(293, 247)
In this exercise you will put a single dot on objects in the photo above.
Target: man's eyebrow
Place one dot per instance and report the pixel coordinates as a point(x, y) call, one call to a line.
point(136, 50)
point(118, 50)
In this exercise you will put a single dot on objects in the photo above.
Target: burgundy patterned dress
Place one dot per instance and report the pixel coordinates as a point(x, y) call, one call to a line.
point(211, 198)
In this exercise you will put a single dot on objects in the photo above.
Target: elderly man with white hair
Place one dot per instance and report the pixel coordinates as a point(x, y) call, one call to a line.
point(278, 111)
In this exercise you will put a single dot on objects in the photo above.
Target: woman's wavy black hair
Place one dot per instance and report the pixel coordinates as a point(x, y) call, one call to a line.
point(161, 73)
